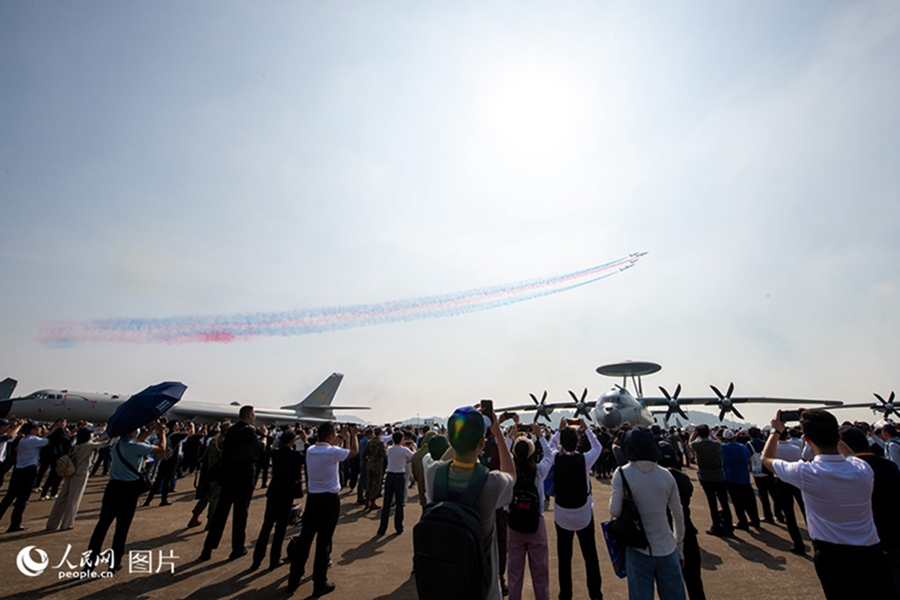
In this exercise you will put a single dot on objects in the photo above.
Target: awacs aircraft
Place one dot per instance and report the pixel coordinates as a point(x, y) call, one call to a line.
point(619, 406)
point(49, 405)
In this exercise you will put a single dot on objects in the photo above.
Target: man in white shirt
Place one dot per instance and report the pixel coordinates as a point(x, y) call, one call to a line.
point(398, 456)
point(888, 435)
point(837, 490)
point(323, 505)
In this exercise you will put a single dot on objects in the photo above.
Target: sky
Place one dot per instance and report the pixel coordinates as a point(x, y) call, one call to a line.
point(205, 160)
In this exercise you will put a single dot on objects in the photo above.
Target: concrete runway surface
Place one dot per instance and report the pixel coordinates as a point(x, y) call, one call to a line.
point(752, 564)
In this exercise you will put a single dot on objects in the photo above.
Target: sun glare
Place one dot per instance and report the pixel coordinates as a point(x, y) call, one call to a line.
point(534, 114)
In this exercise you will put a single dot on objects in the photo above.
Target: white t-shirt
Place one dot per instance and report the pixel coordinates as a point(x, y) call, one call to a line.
point(397, 457)
point(322, 468)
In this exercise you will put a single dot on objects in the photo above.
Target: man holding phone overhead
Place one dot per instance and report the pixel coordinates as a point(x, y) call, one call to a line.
point(837, 489)
point(574, 514)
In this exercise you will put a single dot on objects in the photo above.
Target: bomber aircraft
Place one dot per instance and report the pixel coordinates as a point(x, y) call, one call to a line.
point(51, 404)
point(618, 406)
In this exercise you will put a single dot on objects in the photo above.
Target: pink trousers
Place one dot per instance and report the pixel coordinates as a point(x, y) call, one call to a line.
point(534, 545)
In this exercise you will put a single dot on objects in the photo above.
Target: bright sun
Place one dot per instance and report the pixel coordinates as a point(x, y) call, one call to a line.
point(534, 114)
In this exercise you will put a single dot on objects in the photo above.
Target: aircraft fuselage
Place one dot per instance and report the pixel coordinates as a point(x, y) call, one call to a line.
point(617, 407)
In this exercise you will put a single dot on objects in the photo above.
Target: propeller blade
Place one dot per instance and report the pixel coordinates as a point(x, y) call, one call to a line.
point(588, 416)
point(891, 398)
point(574, 397)
point(730, 390)
point(677, 391)
point(537, 415)
point(683, 414)
point(544, 397)
point(718, 393)
point(665, 393)
point(880, 398)
point(584, 394)
point(722, 414)
point(735, 411)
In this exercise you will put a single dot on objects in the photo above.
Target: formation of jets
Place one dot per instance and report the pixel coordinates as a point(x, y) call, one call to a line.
point(52, 404)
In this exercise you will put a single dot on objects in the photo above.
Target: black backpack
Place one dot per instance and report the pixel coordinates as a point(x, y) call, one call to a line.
point(452, 559)
point(570, 481)
point(525, 508)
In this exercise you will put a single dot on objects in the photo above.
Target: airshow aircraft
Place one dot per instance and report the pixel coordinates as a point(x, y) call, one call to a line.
point(618, 406)
point(49, 405)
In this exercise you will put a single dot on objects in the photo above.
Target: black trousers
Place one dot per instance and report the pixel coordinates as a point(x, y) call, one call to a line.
point(119, 503)
point(278, 511)
point(165, 479)
point(841, 568)
point(394, 492)
point(588, 543)
point(502, 527)
point(691, 572)
point(20, 486)
point(235, 497)
point(717, 491)
point(744, 501)
point(319, 522)
point(765, 485)
point(786, 496)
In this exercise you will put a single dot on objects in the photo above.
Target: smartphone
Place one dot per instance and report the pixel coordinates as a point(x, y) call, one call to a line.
point(487, 409)
point(791, 415)
point(524, 427)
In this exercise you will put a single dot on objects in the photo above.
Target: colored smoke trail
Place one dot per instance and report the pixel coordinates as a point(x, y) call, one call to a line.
point(228, 328)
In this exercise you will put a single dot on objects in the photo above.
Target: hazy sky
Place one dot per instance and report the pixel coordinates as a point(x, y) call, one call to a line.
point(192, 158)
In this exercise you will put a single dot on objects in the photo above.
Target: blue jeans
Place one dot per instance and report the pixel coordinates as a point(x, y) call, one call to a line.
point(642, 571)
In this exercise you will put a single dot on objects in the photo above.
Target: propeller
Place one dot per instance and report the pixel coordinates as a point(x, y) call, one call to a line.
point(541, 409)
point(673, 403)
point(580, 407)
point(725, 404)
point(887, 405)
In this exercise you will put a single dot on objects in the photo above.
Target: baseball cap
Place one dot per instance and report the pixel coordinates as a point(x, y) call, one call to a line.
point(728, 435)
point(466, 427)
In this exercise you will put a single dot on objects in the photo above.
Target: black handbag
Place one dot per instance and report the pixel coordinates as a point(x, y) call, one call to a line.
point(142, 484)
point(628, 528)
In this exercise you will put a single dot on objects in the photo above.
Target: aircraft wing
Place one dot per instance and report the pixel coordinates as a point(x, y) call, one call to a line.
point(498, 410)
point(707, 401)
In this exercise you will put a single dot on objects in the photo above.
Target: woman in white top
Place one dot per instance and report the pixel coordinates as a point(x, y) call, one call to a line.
point(62, 516)
point(654, 490)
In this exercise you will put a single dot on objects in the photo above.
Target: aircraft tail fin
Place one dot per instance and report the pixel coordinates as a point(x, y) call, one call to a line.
point(322, 396)
point(7, 387)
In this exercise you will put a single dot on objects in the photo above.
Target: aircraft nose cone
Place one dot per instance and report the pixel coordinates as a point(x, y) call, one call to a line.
point(610, 417)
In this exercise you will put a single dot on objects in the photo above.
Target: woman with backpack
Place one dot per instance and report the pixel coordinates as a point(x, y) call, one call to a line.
point(527, 535)
point(62, 516)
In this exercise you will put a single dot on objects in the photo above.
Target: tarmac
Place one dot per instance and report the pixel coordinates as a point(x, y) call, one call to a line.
point(365, 567)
